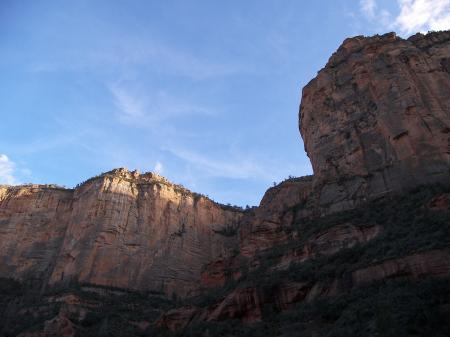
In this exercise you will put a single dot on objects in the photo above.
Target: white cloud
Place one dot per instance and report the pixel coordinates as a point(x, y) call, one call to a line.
point(182, 64)
point(375, 15)
point(234, 167)
point(413, 16)
point(129, 105)
point(158, 167)
point(423, 15)
point(7, 170)
point(368, 7)
point(127, 56)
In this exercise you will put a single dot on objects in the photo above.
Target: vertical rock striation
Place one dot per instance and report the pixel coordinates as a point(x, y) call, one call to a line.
point(270, 223)
point(121, 229)
point(33, 221)
point(375, 122)
point(376, 119)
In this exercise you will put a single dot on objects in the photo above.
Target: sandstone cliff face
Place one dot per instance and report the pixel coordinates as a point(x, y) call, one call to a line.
point(121, 229)
point(261, 228)
point(375, 122)
point(270, 223)
point(141, 233)
point(328, 242)
point(33, 221)
point(376, 119)
point(247, 304)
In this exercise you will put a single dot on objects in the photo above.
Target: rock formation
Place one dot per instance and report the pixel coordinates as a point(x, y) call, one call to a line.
point(33, 222)
point(121, 229)
point(280, 206)
point(376, 119)
point(315, 254)
point(375, 123)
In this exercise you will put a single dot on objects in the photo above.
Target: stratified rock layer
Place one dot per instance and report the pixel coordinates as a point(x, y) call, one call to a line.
point(121, 229)
point(375, 122)
point(376, 119)
point(33, 221)
point(269, 224)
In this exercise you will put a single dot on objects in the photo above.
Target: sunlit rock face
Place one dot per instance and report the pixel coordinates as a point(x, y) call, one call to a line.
point(375, 123)
point(33, 222)
point(376, 119)
point(121, 229)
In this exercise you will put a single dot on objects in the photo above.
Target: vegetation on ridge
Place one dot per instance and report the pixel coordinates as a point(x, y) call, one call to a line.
point(408, 228)
point(393, 307)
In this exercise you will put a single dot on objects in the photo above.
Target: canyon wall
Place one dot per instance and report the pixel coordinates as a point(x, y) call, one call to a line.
point(33, 222)
point(375, 123)
point(121, 229)
point(376, 119)
point(270, 223)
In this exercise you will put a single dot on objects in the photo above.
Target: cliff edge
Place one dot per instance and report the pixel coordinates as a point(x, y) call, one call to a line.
point(376, 119)
point(120, 229)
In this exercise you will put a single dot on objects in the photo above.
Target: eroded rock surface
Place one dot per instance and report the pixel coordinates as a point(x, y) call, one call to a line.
point(121, 229)
point(328, 242)
point(33, 221)
point(376, 119)
point(375, 123)
point(269, 224)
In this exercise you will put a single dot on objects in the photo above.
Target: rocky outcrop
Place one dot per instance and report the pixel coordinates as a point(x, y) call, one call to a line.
point(219, 272)
point(59, 326)
point(434, 263)
point(248, 304)
point(375, 123)
point(440, 202)
point(177, 319)
point(121, 229)
point(142, 233)
point(376, 119)
point(328, 242)
point(270, 223)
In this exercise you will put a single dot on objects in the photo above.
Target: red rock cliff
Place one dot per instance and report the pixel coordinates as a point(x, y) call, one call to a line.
point(121, 229)
point(376, 119)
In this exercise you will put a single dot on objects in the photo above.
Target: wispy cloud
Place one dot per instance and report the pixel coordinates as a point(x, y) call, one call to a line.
point(180, 63)
point(125, 55)
point(7, 168)
point(234, 167)
point(375, 15)
point(158, 167)
point(129, 106)
point(152, 108)
point(368, 7)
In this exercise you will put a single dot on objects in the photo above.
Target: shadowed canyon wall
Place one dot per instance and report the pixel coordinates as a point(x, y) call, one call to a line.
point(375, 124)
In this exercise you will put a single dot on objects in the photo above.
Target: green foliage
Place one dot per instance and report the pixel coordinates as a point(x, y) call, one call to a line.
point(227, 231)
point(390, 308)
point(111, 311)
point(395, 307)
point(407, 228)
point(212, 296)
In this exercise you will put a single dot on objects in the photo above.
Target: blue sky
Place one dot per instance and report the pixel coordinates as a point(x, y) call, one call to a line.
point(205, 92)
